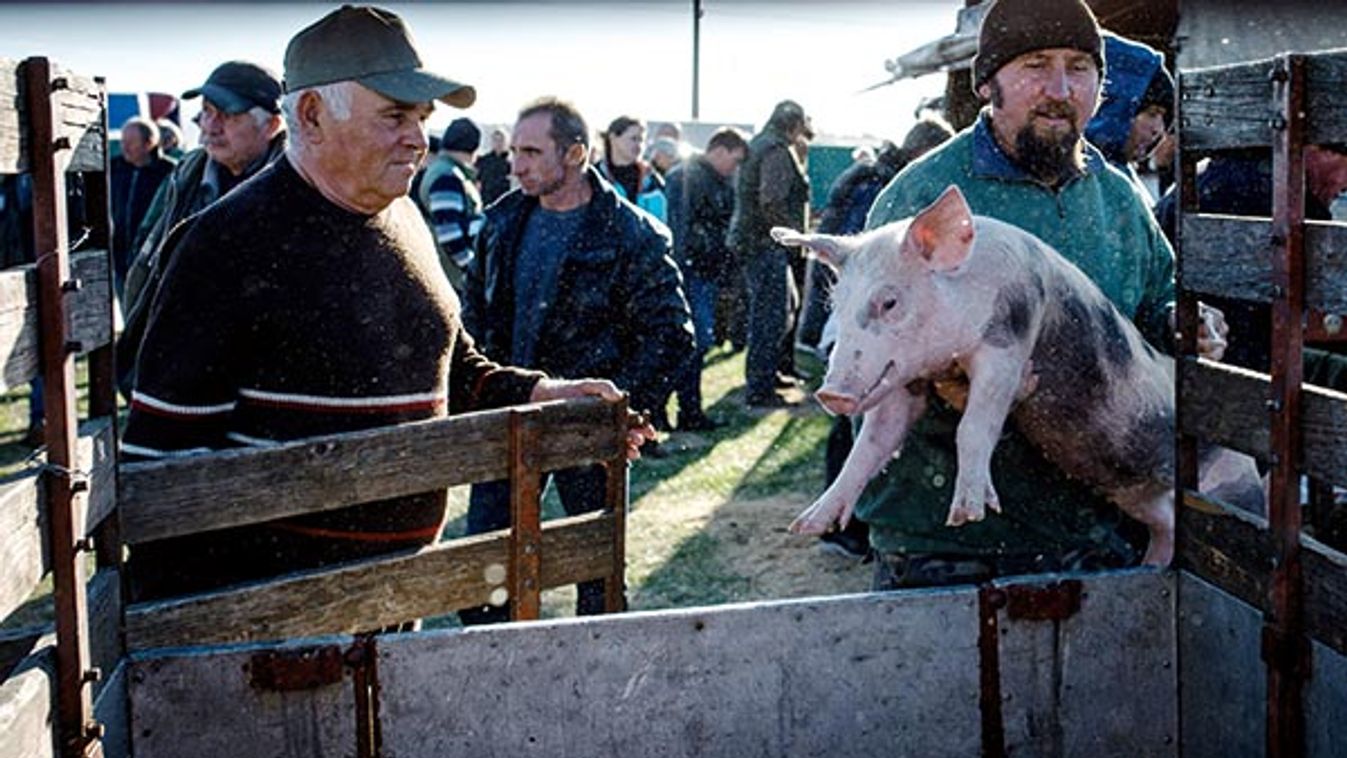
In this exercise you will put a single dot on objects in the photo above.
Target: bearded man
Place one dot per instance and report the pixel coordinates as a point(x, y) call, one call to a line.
point(1024, 162)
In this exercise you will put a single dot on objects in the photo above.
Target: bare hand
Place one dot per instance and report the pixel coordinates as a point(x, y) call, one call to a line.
point(567, 389)
point(1211, 332)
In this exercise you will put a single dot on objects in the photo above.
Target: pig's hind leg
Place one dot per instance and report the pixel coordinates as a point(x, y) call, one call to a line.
point(880, 439)
point(1152, 505)
point(995, 378)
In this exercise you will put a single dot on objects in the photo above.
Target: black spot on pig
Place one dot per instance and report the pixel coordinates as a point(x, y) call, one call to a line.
point(1010, 321)
point(1116, 349)
point(1067, 355)
point(1146, 452)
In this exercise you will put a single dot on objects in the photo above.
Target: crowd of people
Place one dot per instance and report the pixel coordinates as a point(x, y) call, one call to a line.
point(316, 266)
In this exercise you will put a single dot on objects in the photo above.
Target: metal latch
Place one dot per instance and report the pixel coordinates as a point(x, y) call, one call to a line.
point(290, 670)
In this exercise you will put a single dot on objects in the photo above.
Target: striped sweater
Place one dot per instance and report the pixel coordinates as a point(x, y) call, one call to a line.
point(283, 316)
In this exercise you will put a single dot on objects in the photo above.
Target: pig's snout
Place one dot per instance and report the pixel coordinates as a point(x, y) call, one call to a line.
point(837, 403)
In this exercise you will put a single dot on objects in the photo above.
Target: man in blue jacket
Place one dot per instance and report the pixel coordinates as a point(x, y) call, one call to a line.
point(573, 280)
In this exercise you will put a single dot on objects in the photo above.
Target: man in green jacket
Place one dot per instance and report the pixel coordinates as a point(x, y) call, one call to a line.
point(1025, 162)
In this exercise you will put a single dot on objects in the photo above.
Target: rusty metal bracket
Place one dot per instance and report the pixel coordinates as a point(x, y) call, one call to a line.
point(293, 670)
point(1056, 601)
point(991, 600)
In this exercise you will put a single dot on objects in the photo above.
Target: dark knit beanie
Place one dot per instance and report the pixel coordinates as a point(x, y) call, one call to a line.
point(1160, 92)
point(1012, 28)
point(461, 136)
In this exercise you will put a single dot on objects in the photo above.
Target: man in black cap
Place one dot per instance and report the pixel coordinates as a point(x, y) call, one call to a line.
point(1024, 162)
point(242, 131)
point(450, 200)
point(772, 190)
point(310, 301)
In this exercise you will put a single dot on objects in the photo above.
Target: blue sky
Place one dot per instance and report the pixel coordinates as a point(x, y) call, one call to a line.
point(609, 57)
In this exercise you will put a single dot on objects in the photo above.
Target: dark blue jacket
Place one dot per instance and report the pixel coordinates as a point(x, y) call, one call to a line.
point(616, 309)
point(1130, 68)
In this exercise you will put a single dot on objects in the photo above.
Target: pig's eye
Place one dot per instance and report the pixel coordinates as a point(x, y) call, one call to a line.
point(888, 304)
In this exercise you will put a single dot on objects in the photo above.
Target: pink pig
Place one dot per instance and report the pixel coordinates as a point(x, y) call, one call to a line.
point(947, 292)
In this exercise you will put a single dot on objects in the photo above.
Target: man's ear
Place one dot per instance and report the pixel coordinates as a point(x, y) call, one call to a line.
point(309, 110)
point(985, 91)
point(576, 154)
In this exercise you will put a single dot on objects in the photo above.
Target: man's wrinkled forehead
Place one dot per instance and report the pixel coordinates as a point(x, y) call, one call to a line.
point(1070, 56)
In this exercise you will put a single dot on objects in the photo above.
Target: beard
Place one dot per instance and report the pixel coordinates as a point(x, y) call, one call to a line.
point(1052, 157)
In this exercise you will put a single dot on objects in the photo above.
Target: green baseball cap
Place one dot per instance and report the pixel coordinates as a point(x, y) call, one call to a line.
point(371, 46)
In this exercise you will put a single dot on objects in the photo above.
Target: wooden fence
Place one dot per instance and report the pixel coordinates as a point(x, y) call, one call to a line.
point(1299, 268)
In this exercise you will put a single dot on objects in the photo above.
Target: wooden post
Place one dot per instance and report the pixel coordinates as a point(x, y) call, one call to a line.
point(78, 734)
point(1285, 648)
point(525, 570)
point(615, 501)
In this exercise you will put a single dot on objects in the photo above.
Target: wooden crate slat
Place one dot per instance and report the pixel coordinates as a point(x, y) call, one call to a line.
point(90, 308)
point(1231, 256)
point(168, 498)
point(79, 119)
point(105, 613)
point(23, 555)
point(1226, 107)
point(1227, 547)
point(1325, 572)
point(1326, 99)
point(1227, 255)
point(27, 708)
point(371, 594)
point(95, 450)
point(1225, 405)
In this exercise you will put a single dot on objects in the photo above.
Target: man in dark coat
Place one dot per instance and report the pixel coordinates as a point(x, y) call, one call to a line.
point(135, 178)
point(573, 280)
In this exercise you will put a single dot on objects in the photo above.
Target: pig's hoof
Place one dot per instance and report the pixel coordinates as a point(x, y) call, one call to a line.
point(960, 514)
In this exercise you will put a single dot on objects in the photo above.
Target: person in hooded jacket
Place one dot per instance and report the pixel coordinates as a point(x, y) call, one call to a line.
point(633, 178)
point(1137, 106)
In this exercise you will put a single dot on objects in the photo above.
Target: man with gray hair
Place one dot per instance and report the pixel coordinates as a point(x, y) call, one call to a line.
point(311, 301)
point(241, 132)
point(135, 177)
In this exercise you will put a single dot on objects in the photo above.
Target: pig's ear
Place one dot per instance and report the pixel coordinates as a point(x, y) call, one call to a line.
point(942, 234)
point(829, 249)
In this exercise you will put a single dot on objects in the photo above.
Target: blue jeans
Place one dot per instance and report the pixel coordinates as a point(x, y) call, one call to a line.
point(581, 490)
point(702, 297)
point(771, 305)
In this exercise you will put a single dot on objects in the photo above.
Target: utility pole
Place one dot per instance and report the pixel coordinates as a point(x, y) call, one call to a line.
point(696, 56)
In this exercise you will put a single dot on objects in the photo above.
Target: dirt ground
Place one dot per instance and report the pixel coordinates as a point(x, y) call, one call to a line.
point(778, 564)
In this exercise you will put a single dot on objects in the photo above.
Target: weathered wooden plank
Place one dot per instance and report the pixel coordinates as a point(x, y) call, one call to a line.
point(1227, 405)
point(1223, 698)
point(372, 594)
point(876, 674)
point(27, 708)
point(1231, 256)
point(1326, 111)
point(95, 450)
point(1326, 704)
point(1226, 546)
point(90, 315)
point(202, 704)
point(105, 624)
point(234, 487)
point(1228, 107)
point(23, 554)
point(23, 560)
point(79, 119)
point(1060, 689)
point(110, 710)
point(1325, 572)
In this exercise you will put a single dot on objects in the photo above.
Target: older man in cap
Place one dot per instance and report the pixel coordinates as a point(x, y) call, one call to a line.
point(241, 131)
point(311, 301)
point(1025, 162)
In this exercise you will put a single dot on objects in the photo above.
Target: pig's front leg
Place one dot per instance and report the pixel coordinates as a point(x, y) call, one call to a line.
point(881, 437)
point(995, 377)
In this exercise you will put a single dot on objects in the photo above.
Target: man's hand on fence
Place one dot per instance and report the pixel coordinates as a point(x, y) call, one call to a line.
point(565, 389)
